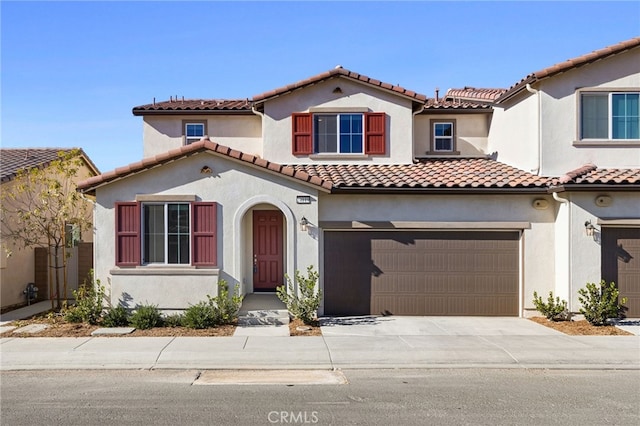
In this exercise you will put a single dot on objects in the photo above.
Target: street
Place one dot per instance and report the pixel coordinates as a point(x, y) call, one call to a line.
point(371, 397)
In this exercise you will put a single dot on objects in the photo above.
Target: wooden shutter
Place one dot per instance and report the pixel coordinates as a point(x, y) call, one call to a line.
point(302, 133)
point(127, 234)
point(374, 133)
point(204, 240)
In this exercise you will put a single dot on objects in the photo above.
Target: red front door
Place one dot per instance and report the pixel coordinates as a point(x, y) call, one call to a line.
point(267, 250)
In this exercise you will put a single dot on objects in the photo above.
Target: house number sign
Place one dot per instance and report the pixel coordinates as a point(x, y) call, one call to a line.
point(303, 199)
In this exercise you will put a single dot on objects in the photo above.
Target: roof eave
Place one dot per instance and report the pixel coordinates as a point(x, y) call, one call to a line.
point(446, 190)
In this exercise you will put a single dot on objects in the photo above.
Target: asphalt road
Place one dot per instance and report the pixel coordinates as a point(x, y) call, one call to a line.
point(371, 397)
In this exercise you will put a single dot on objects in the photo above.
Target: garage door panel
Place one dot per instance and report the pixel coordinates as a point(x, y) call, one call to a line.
point(430, 273)
point(621, 264)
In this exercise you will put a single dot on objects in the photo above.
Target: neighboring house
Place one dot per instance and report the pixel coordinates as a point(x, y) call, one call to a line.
point(407, 205)
point(29, 265)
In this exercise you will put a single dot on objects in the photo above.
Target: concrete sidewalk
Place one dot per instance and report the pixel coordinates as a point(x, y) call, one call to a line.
point(552, 351)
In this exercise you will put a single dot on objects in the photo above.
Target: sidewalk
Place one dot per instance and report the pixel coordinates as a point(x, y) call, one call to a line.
point(325, 352)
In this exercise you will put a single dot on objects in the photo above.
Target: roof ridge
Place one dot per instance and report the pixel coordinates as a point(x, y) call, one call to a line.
point(576, 173)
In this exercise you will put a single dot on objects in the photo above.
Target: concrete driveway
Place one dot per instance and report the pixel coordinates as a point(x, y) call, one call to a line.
point(432, 326)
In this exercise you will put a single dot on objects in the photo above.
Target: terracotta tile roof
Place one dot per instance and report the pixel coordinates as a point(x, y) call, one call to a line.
point(14, 159)
point(194, 106)
point(443, 104)
point(432, 173)
point(474, 94)
point(90, 185)
point(339, 72)
point(590, 174)
point(569, 65)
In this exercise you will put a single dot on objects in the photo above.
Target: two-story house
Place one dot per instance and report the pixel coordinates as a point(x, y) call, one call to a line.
point(463, 204)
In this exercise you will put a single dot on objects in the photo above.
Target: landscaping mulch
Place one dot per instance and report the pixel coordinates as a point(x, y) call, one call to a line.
point(299, 328)
point(581, 328)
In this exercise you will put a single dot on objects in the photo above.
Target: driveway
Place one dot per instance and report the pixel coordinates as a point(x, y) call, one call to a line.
point(432, 326)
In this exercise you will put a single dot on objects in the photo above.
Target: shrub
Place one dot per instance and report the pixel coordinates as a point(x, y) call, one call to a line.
point(174, 320)
point(304, 303)
point(600, 302)
point(227, 307)
point(553, 309)
point(200, 315)
point(89, 303)
point(217, 310)
point(145, 317)
point(116, 317)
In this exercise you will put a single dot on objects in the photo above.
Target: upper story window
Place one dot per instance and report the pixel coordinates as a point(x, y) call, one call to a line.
point(443, 136)
point(340, 133)
point(193, 131)
point(614, 115)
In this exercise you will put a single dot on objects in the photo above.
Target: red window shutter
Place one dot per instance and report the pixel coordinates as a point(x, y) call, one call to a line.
point(375, 134)
point(302, 133)
point(127, 234)
point(204, 241)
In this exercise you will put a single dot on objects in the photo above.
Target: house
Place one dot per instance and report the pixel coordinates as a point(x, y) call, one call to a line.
point(30, 265)
point(463, 204)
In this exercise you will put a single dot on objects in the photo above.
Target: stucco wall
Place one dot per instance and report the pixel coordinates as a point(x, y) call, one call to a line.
point(537, 241)
point(17, 270)
point(241, 132)
point(238, 189)
point(472, 131)
point(277, 120)
point(514, 130)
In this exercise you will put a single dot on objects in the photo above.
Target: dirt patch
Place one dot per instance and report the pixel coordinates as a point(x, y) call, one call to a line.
point(298, 328)
point(581, 328)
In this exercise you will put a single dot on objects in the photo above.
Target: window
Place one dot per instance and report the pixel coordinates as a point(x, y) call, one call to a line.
point(443, 137)
point(610, 115)
point(193, 131)
point(166, 233)
point(340, 133)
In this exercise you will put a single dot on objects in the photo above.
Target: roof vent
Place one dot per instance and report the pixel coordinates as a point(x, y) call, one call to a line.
point(338, 67)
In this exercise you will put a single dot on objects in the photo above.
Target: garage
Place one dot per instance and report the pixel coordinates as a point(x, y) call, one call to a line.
point(621, 264)
point(452, 273)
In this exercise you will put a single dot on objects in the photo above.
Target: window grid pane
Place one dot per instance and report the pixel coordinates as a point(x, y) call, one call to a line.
point(625, 118)
point(166, 233)
point(443, 136)
point(595, 116)
point(154, 233)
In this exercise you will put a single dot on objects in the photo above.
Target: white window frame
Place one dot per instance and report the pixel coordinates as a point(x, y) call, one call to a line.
point(143, 233)
point(609, 95)
point(337, 115)
point(191, 139)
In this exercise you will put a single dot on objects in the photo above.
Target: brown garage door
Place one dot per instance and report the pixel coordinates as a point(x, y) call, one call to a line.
point(421, 273)
point(621, 264)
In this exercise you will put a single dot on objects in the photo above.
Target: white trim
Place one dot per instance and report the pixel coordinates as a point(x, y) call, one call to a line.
point(290, 227)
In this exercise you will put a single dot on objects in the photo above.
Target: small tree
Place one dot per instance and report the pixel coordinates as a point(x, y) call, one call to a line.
point(600, 302)
point(304, 303)
point(40, 206)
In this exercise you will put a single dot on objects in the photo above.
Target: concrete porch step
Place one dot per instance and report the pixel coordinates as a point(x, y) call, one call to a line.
point(260, 317)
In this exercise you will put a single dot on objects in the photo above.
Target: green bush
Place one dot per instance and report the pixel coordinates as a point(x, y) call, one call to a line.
point(116, 317)
point(174, 320)
point(145, 317)
point(200, 315)
point(227, 307)
point(553, 309)
point(217, 310)
point(600, 302)
point(89, 303)
point(304, 303)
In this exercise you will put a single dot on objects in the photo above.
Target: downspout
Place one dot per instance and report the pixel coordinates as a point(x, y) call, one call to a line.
point(413, 131)
point(539, 119)
point(566, 202)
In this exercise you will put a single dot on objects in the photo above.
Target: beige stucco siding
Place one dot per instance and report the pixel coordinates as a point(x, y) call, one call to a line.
point(277, 120)
point(238, 189)
point(471, 131)
point(515, 125)
point(241, 132)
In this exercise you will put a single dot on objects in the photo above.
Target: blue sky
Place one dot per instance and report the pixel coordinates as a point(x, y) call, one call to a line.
point(72, 71)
